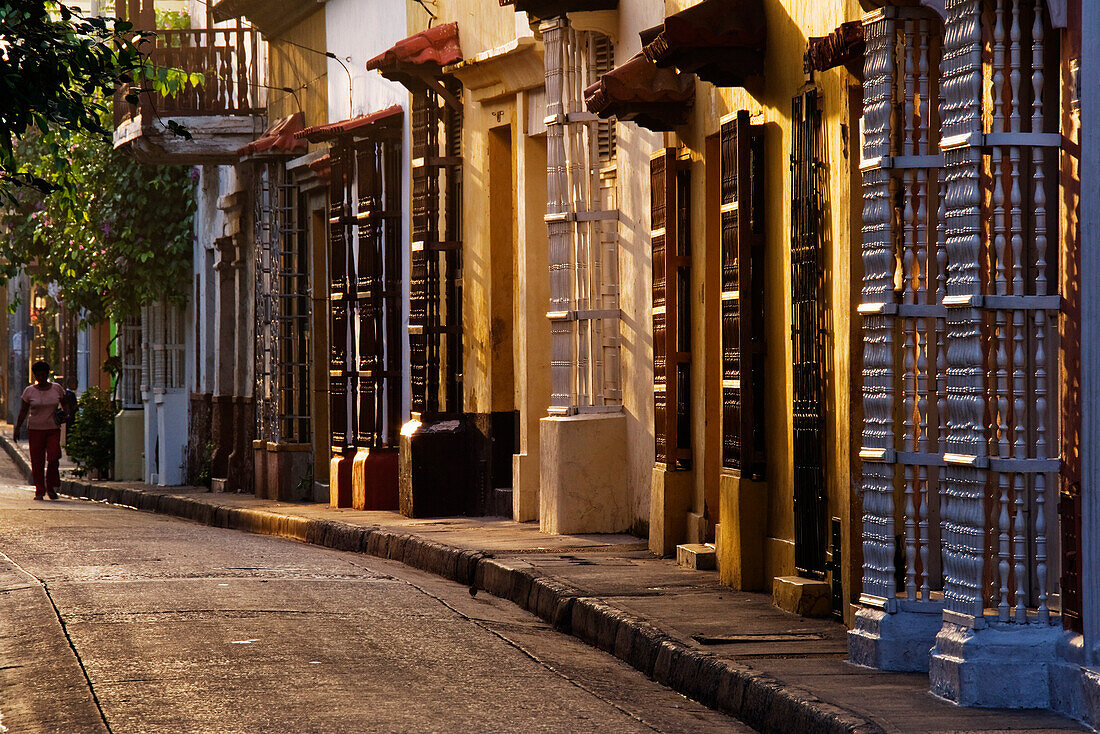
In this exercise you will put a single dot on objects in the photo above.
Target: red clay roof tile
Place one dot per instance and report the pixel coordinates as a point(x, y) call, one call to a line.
point(438, 46)
point(279, 137)
point(318, 133)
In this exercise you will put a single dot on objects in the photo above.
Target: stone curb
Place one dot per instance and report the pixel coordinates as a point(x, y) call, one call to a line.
point(21, 462)
point(757, 699)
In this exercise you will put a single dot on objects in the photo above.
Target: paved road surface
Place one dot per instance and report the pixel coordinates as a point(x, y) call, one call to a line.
point(123, 621)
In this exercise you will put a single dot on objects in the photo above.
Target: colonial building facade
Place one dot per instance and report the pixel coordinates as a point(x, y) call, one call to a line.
point(793, 289)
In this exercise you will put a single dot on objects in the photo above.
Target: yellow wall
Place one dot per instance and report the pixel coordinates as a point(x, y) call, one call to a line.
point(301, 70)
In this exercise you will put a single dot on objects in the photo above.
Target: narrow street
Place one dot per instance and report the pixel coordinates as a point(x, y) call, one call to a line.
point(115, 620)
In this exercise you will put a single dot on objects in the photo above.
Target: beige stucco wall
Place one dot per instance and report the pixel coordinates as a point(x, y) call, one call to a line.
point(301, 70)
point(481, 25)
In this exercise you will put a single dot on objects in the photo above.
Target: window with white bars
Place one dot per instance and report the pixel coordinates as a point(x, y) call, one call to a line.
point(582, 221)
point(163, 347)
point(129, 351)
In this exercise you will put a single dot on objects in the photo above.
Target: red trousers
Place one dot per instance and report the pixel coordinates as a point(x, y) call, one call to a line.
point(45, 453)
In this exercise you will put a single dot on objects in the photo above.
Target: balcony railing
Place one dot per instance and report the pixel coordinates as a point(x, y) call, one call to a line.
point(228, 59)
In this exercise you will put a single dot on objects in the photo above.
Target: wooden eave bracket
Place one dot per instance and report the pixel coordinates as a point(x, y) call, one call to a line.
point(403, 74)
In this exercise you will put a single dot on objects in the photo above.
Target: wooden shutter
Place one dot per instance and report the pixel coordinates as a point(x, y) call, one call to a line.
point(670, 212)
point(742, 302)
point(807, 336)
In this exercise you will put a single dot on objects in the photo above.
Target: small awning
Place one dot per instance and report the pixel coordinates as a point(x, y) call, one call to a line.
point(388, 117)
point(434, 48)
point(638, 91)
point(553, 8)
point(322, 167)
point(843, 45)
point(279, 138)
point(721, 41)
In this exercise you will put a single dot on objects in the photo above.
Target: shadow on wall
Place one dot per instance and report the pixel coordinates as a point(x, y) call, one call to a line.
point(634, 146)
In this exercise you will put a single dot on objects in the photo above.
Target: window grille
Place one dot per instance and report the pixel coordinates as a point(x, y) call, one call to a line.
point(292, 371)
point(904, 355)
point(670, 216)
point(266, 179)
point(742, 241)
point(365, 237)
point(175, 348)
point(435, 301)
point(129, 350)
point(807, 335)
point(975, 439)
point(582, 221)
point(1001, 300)
point(281, 361)
point(378, 289)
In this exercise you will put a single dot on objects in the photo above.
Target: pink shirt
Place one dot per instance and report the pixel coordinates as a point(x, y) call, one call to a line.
point(43, 405)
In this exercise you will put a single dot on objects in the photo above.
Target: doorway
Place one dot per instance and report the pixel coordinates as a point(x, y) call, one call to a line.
point(504, 418)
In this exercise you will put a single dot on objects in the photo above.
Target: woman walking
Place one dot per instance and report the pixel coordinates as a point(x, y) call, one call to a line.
point(42, 402)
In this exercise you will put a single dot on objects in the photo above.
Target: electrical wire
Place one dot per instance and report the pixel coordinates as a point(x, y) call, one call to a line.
point(432, 17)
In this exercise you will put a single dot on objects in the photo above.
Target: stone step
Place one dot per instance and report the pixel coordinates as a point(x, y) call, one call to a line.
point(804, 597)
point(698, 556)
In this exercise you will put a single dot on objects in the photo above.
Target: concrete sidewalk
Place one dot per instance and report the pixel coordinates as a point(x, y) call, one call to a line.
point(733, 651)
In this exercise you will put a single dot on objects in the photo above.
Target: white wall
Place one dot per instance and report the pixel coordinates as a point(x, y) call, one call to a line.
point(208, 226)
point(357, 30)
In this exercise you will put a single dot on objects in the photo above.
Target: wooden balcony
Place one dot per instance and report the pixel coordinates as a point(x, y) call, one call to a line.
point(223, 114)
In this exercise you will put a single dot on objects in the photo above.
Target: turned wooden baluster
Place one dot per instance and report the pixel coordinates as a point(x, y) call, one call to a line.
point(1019, 362)
point(1041, 403)
point(923, 140)
point(909, 346)
point(999, 363)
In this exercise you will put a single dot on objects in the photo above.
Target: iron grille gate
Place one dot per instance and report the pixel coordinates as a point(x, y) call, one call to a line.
point(365, 267)
point(435, 288)
point(670, 212)
point(742, 217)
point(807, 335)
